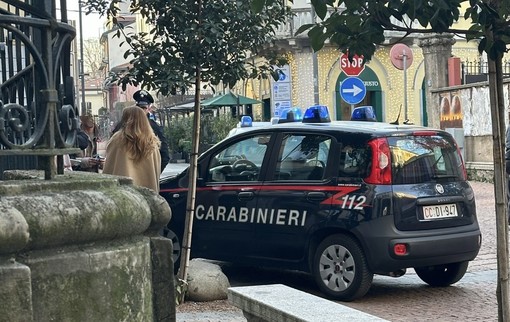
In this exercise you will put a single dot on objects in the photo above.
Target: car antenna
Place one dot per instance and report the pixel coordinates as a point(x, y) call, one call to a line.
point(398, 116)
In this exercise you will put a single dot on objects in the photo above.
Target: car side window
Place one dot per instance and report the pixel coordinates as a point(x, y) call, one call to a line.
point(354, 160)
point(303, 157)
point(240, 161)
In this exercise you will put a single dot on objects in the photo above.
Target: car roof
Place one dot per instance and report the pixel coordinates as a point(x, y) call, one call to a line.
point(373, 128)
point(240, 129)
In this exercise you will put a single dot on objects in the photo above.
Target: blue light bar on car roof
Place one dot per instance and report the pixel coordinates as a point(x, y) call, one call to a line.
point(363, 113)
point(316, 114)
point(292, 114)
point(246, 121)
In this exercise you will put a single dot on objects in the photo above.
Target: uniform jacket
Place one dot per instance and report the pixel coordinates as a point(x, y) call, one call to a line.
point(163, 148)
point(145, 173)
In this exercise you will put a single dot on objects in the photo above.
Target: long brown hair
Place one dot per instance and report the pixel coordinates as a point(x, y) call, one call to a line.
point(136, 134)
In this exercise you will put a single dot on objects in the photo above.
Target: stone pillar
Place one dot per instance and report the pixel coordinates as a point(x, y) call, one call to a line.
point(437, 48)
point(15, 291)
point(15, 278)
point(83, 247)
point(163, 288)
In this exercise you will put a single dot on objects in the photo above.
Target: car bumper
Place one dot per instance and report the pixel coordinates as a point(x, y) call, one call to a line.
point(435, 247)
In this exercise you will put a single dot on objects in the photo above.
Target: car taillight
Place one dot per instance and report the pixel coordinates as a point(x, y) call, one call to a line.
point(380, 172)
point(400, 249)
point(424, 133)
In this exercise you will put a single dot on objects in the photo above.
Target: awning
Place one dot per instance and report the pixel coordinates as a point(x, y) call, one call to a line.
point(228, 99)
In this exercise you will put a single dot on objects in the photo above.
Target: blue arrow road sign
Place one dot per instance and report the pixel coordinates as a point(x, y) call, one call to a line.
point(353, 90)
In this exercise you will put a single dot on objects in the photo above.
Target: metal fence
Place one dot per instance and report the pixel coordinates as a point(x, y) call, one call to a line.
point(478, 70)
point(38, 118)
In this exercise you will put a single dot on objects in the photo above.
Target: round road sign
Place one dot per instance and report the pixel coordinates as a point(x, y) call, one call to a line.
point(397, 54)
point(352, 90)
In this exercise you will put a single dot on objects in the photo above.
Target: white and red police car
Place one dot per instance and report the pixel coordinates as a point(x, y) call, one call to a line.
point(342, 200)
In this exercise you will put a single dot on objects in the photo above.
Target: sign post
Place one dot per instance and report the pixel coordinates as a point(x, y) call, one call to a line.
point(281, 91)
point(401, 57)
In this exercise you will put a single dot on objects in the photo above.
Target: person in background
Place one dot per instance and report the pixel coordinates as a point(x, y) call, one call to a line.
point(144, 101)
point(86, 137)
point(133, 150)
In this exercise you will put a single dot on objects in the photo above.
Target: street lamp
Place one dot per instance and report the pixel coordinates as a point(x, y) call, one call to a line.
point(81, 65)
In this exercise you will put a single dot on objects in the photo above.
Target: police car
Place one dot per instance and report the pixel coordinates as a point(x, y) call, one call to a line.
point(341, 200)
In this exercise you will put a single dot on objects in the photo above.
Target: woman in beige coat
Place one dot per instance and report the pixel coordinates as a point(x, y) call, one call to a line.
point(133, 151)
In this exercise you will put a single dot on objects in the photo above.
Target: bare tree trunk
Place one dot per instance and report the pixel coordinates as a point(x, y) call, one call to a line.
point(192, 182)
point(500, 184)
point(192, 188)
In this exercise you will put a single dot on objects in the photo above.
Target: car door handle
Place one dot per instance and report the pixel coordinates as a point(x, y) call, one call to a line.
point(316, 196)
point(245, 195)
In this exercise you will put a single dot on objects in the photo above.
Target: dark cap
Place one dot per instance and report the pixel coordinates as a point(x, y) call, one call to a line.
point(142, 97)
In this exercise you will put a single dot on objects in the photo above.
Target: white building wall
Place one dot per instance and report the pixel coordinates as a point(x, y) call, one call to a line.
point(116, 50)
point(476, 119)
point(477, 111)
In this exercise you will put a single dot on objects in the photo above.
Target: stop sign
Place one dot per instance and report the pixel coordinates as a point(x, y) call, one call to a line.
point(352, 67)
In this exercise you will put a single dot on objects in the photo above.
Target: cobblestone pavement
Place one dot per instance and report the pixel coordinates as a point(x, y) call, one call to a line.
point(397, 299)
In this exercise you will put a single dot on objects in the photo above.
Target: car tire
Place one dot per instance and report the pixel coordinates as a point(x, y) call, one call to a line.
point(442, 275)
point(340, 268)
point(176, 247)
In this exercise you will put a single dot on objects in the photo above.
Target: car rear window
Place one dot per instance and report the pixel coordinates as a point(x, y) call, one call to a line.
point(420, 159)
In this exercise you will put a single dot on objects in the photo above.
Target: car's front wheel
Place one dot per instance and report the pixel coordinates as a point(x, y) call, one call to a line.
point(340, 268)
point(442, 275)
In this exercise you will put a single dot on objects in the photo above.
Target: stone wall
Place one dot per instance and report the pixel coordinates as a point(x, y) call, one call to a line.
point(476, 124)
point(83, 247)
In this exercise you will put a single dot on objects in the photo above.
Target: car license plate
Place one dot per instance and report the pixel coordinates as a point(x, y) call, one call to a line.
point(440, 211)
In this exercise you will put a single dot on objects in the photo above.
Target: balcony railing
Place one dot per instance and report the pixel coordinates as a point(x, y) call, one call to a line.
point(303, 16)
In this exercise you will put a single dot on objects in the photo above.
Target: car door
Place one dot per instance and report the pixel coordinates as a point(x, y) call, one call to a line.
point(294, 197)
point(227, 196)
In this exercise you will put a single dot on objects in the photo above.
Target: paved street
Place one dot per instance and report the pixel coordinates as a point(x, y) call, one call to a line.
point(406, 298)
point(471, 299)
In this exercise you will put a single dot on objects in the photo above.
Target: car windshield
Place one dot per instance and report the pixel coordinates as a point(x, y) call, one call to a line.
point(252, 149)
point(418, 159)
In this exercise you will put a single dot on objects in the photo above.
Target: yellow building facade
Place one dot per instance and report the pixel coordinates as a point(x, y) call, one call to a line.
point(384, 83)
point(389, 90)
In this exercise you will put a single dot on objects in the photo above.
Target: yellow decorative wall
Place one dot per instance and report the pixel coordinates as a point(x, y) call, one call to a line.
point(391, 82)
point(390, 78)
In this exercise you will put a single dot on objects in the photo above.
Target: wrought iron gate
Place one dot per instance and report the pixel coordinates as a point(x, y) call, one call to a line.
point(38, 117)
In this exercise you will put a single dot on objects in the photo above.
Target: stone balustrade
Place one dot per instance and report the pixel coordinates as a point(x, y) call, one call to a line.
point(83, 247)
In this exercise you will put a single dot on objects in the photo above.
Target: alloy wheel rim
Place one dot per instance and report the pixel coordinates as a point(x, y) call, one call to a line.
point(337, 268)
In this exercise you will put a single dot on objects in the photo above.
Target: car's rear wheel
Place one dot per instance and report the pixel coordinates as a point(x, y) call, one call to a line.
point(340, 268)
point(176, 247)
point(442, 275)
